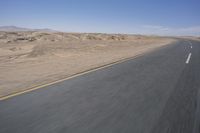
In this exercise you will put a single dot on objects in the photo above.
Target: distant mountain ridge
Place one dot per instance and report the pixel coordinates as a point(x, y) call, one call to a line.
point(15, 28)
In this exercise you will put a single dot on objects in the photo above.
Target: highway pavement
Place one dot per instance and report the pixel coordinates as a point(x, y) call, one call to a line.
point(157, 92)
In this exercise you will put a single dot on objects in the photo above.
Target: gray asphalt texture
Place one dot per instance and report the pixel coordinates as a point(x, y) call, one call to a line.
point(154, 93)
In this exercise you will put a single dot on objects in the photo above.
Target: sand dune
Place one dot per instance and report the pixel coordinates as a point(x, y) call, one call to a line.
point(32, 58)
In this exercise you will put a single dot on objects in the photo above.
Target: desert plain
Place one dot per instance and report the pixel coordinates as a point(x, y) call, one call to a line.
point(32, 58)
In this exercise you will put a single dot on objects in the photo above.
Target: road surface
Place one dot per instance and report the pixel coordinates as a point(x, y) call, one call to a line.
point(154, 93)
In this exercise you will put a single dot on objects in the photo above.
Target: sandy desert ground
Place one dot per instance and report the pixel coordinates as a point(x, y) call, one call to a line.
point(29, 59)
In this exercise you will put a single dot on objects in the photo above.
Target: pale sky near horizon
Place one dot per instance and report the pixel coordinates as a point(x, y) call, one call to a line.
point(160, 17)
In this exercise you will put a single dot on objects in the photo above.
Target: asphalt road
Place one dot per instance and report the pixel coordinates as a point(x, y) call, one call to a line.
point(154, 93)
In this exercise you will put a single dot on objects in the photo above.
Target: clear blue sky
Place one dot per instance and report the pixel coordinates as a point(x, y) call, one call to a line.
point(165, 17)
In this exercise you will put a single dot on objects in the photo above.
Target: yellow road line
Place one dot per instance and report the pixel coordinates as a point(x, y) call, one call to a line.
point(64, 79)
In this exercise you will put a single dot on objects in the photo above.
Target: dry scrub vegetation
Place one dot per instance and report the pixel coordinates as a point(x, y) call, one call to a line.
point(33, 58)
